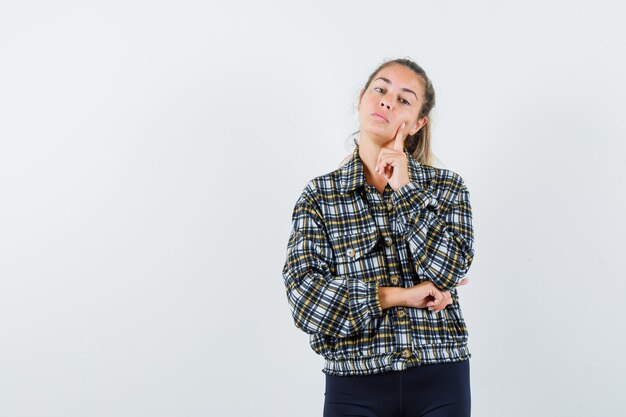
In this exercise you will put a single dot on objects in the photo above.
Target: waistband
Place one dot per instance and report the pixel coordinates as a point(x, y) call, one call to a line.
point(395, 361)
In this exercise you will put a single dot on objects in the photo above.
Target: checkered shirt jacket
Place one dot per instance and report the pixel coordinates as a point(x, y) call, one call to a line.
point(348, 239)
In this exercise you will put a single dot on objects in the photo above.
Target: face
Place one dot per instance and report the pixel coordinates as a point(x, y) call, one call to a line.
point(395, 95)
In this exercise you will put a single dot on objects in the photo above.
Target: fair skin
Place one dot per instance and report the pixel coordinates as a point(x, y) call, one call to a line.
point(395, 93)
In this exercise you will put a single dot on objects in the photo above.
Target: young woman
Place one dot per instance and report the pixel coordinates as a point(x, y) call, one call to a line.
point(377, 251)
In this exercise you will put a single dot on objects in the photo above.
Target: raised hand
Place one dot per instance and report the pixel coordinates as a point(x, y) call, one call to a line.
point(392, 163)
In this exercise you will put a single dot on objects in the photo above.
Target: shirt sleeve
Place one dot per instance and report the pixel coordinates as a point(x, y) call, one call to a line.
point(321, 302)
point(440, 240)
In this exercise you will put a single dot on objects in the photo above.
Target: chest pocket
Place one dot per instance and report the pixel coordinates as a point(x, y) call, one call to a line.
point(357, 254)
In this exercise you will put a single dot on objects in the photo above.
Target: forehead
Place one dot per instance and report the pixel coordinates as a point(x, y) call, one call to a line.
point(401, 76)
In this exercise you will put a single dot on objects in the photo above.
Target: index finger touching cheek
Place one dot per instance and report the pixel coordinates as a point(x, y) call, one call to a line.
point(399, 143)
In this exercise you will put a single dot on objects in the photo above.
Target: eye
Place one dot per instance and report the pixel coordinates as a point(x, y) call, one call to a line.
point(382, 90)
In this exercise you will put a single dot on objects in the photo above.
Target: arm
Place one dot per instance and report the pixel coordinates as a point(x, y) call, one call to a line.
point(440, 240)
point(320, 301)
point(392, 296)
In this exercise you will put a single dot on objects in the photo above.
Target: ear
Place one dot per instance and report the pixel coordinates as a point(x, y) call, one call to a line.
point(418, 125)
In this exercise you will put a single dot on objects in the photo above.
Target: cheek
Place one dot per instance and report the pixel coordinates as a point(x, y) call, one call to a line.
point(413, 116)
point(368, 105)
point(371, 99)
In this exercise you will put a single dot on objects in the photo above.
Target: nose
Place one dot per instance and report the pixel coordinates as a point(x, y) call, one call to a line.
point(382, 103)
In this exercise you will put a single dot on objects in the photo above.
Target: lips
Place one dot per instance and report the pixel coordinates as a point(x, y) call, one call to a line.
point(380, 116)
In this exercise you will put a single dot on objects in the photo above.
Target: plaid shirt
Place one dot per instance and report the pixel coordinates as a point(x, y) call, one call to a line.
point(348, 239)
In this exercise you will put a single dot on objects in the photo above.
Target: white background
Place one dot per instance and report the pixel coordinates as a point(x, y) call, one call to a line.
point(151, 154)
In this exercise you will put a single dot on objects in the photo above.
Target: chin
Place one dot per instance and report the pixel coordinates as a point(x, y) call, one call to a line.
point(379, 134)
point(378, 130)
point(378, 141)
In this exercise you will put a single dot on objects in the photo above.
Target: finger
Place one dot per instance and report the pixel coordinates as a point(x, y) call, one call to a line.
point(398, 145)
point(447, 302)
point(438, 297)
point(435, 307)
point(439, 302)
point(382, 164)
point(379, 162)
point(388, 171)
point(383, 169)
point(444, 299)
point(447, 298)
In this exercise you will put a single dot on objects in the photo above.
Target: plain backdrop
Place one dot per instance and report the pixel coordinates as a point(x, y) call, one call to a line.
point(151, 153)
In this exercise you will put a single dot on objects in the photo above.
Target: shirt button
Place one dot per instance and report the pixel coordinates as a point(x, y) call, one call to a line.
point(389, 206)
point(395, 280)
point(388, 241)
point(350, 252)
point(401, 313)
point(406, 353)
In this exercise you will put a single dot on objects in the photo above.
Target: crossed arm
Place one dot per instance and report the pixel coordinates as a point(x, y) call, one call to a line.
point(440, 241)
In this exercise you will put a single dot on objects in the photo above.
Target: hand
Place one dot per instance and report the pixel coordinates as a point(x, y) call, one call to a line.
point(436, 307)
point(426, 294)
point(392, 163)
point(420, 295)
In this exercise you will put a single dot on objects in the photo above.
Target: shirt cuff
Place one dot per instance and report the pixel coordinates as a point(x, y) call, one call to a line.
point(364, 300)
point(412, 196)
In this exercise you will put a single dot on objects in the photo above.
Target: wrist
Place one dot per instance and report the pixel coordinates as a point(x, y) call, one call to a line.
point(402, 184)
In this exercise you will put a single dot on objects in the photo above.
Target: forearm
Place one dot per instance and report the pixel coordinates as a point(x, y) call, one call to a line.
point(418, 296)
point(391, 296)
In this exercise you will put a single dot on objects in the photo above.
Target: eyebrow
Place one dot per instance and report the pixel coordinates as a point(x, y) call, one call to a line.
point(403, 88)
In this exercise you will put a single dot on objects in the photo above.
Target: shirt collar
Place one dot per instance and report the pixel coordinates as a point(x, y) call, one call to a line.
point(352, 173)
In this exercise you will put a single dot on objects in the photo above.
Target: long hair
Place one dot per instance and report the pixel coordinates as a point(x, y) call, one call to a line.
point(419, 144)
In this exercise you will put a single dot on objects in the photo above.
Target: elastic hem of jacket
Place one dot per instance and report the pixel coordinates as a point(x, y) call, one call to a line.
point(361, 365)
